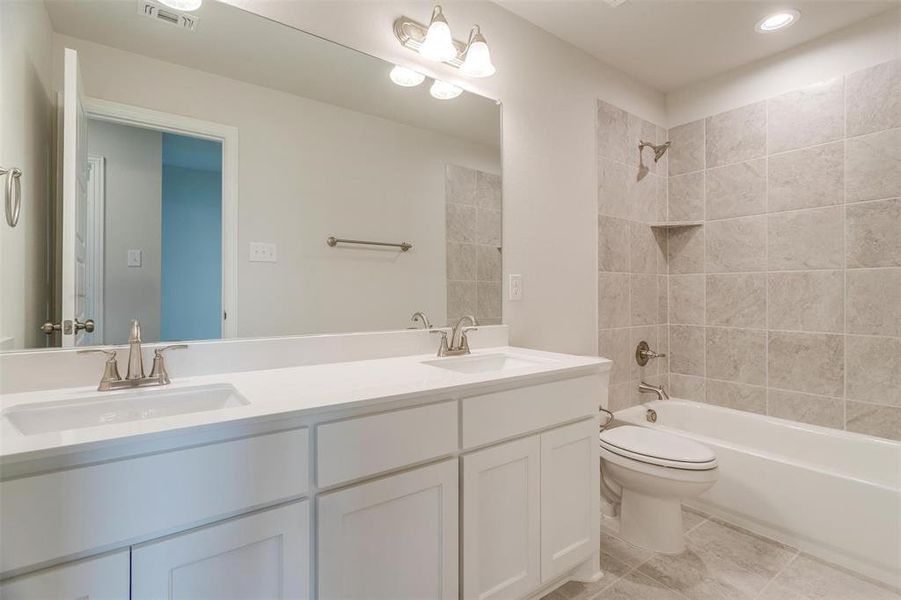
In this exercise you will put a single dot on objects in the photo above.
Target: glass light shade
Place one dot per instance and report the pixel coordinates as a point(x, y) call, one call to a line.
point(438, 43)
point(443, 90)
point(778, 20)
point(405, 77)
point(478, 60)
point(183, 5)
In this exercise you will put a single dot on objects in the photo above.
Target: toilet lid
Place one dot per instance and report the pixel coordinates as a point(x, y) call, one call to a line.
point(657, 447)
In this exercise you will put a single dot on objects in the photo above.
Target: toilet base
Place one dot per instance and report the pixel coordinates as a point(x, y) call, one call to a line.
point(651, 522)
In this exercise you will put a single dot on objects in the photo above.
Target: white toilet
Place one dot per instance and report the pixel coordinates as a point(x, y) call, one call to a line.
point(645, 474)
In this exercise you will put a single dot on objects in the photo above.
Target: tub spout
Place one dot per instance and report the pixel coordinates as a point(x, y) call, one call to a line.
point(647, 388)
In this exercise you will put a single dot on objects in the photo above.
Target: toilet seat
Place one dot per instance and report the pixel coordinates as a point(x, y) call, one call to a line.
point(654, 447)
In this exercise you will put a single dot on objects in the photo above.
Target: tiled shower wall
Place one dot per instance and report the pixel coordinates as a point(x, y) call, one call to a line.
point(631, 255)
point(787, 301)
point(473, 239)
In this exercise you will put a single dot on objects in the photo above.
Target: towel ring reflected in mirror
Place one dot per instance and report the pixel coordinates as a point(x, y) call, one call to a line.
point(13, 201)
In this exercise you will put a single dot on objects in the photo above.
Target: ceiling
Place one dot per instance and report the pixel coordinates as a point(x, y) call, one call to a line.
point(671, 43)
point(237, 44)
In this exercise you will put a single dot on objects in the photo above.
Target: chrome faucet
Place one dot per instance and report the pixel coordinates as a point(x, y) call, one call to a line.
point(647, 388)
point(420, 317)
point(134, 377)
point(454, 347)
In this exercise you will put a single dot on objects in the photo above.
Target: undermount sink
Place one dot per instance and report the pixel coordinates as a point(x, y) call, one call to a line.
point(115, 407)
point(483, 363)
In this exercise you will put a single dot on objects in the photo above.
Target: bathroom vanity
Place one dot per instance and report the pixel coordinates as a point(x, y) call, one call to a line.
point(396, 477)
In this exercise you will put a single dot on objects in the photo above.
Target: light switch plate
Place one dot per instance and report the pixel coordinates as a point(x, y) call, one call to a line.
point(263, 252)
point(514, 291)
point(135, 258)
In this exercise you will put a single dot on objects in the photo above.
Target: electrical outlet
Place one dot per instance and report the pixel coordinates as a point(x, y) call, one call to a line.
point(134, 258)
point(514, 292)
point(263, 252)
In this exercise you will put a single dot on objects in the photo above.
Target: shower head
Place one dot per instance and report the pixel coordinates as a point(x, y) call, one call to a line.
point(659, 149)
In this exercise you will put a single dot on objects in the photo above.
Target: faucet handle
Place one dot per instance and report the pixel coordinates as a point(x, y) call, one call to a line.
point(159, 361)
point(110, 368)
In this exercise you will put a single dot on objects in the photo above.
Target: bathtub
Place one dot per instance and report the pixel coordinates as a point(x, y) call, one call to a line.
point(831, 493)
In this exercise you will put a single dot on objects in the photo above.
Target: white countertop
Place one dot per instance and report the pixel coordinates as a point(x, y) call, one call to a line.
point(281, 393)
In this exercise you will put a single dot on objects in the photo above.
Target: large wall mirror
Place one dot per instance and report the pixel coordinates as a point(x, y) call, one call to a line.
point(190, 174)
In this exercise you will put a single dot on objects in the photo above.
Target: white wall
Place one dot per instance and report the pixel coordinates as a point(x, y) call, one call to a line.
point(134, 188)
point(549, 91)
point(25, 142)
point(309, 170)
point(864, 44)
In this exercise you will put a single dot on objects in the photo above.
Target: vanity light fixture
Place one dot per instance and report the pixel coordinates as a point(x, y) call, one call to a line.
point(477, 60)
point(183, 5)
point(779, 20)
point(438, 44)
point(405, 77)
point(442, 90)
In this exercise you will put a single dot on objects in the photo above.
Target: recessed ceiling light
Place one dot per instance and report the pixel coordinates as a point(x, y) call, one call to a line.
point(779, 20)
point(185, 5)
point(405, 77)
point(443, 90)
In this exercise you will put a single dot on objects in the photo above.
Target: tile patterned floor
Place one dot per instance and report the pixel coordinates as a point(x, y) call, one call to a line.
point(721, 562)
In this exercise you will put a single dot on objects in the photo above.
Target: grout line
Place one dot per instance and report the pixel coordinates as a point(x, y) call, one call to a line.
point(845, 254)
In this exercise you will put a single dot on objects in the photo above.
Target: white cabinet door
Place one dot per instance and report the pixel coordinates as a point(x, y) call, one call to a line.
point(570, 503)
point(102, 578)
point(502, 520)
point(392, 538)
point(263, 555)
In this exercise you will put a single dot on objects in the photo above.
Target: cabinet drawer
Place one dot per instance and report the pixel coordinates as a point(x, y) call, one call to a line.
point(501, 415)
point(58, 514)
point(365, 446)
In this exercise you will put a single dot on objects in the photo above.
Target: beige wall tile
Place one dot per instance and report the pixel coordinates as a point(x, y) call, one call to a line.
point(736, 355)
point(686, 197)
point(685, 250)
point(807, 178)
point(614, 189)
point(643, 255)
point(663, 298)
point(461, 184)
point(644, 300)
point(873, 419)
point(687, 349)
point(614, 242)
point(874, 98)
point(806, 362)
point(461, 223)
point(736, 300)
point(619, 397)
point(688, 387)
point(461, 261)
point(812, 115)
point(488, 227)
point(873, 234)
point(873, 366)
point(736, 245)
point(612, 132)
point(736, 135)
point(488, 263)
point(739, 396)
point(807, 301)
point(687, 301)
point(643, 197)
point(808, 239)
point(874, 301)
point(613, 300)
point(614, 344)
point(686, 154)
point(736, 190)
point(461, 299)
point(489, 299)
point(873, 166)
point(807, 408)
point(641, 130)
point(488, 191)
